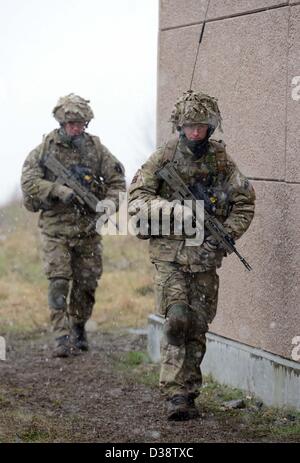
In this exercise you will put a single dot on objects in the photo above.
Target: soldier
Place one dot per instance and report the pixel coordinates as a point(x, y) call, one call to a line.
point(186, 281)
point(72, 248)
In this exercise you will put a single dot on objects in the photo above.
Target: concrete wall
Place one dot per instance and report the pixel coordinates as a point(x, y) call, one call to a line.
point(249, 55)
point(269, 377)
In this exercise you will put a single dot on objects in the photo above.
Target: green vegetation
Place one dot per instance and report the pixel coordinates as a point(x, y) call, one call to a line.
point(124, 299)
point(124, 296)
point(253, 420)
point(137, 366)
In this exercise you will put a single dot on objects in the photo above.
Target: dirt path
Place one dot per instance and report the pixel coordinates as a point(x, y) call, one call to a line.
point(106, 395)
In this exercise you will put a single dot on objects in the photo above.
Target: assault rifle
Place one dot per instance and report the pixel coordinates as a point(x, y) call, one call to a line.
point(70, 179)
point(65, 177)
point(182, 192)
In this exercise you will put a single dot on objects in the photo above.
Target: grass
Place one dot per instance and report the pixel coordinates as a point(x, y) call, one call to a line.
point(124, 296)
point(137, 366)
point(26, 427)
point(261, 424)
point(4, 401)
point(253, 421)
point(134, 358)
point(215, 392)
point(35, 433)
point(287, 430)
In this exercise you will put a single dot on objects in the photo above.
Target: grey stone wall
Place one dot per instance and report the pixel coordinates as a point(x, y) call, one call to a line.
point(248, 58)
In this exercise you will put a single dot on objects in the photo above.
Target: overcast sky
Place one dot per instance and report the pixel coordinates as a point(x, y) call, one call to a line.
point(103, 50)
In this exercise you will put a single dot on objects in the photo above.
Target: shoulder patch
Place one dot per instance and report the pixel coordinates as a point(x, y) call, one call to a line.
point(137, 176)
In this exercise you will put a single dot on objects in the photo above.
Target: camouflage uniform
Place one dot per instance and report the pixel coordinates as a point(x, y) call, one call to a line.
point(186, 282)
point(71, 253)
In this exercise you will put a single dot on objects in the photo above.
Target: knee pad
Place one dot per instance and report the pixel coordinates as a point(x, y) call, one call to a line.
point(58, 293)
point(177, 324)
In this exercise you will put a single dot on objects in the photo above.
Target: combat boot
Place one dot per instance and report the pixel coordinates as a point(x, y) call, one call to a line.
point(182, 408)
point(62, 347)
point(79, 336)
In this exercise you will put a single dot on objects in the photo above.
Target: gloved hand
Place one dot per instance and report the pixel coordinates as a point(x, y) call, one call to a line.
point(63, 193)
point(210, 244)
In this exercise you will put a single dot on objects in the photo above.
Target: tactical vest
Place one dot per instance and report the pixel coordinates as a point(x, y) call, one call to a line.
point(211, 170)
point(88, 161)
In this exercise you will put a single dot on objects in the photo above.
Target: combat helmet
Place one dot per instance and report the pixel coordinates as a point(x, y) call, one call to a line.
point(196, 107)
point(72, 108)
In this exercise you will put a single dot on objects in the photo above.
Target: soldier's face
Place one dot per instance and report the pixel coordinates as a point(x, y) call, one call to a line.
point(195, 131)
point(73, 129)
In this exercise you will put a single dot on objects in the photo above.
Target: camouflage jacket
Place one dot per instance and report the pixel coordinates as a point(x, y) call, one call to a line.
point(218, 172)
point(57, 219)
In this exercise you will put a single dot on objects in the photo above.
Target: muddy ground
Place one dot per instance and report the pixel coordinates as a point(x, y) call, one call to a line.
point(110, 394)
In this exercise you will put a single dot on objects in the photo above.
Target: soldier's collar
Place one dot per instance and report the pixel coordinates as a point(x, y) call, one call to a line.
point(184, 148)
point(61, 138)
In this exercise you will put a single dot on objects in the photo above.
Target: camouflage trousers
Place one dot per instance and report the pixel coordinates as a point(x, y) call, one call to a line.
point(73, 267)
point(198, 292)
